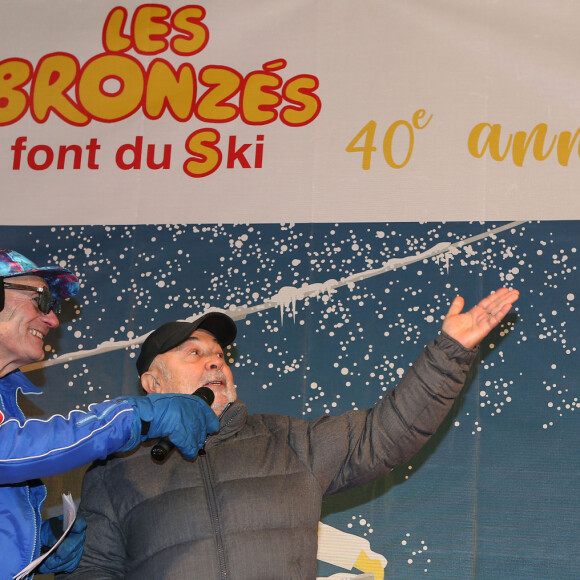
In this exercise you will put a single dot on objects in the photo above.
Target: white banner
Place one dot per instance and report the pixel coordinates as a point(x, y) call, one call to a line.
point(309, 111)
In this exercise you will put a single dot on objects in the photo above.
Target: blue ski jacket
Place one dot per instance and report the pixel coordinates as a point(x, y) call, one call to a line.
point(34, 448)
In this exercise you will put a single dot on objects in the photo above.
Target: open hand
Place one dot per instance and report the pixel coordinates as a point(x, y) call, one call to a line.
point(471, 327)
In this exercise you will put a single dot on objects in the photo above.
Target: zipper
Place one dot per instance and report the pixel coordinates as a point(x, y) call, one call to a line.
point(202, 451)
point(207, 478)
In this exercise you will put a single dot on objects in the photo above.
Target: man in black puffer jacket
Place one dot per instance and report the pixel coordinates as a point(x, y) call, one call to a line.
point(248, 507)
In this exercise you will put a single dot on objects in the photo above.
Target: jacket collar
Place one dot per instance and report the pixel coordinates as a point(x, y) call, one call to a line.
point(10, 384)
point(16, 380)
point(231, 422)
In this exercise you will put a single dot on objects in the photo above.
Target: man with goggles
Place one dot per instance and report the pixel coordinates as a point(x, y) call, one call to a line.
point(30, 449)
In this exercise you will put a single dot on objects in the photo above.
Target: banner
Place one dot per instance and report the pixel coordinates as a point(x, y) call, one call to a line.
point(309, 112)
point(331, 175)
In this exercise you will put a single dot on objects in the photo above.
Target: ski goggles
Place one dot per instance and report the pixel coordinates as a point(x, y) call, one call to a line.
point(45, 300)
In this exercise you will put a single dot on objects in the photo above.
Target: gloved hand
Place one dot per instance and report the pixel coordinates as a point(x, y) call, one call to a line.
point(185, 419)
point(67, 556)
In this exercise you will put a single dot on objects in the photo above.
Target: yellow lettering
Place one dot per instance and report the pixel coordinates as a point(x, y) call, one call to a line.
point(368, 131)
point(388, 144)
point(113, 38)
point(14, 74)
point(417, 116)
point(223, 84)
point(306, 105)
point(55, 75)
point(491, 141)
point(170, 89)
point(521, 144)
point(150, 28)
point(565, 146)
point(206, 156)
point(259, 99)
point(111, 87)
point(188, 20)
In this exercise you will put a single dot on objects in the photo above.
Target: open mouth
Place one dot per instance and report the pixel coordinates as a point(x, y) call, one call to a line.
point(36, 333)
point(214, 383)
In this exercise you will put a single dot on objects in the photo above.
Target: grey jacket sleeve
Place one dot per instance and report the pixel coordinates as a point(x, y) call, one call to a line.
point(104, 552)
point(360, 446)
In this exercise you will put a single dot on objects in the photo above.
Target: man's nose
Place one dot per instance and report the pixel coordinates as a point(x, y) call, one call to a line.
point(214, 361)
point(50, 319)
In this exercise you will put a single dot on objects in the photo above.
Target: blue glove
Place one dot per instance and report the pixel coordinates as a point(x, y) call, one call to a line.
point(185, 419)
point(67, 556)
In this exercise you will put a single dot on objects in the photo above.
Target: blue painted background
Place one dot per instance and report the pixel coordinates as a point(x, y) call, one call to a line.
point(493, 494)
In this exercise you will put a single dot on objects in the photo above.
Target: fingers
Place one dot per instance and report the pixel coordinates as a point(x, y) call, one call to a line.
point(498, 304)
point(456, 306)
point(495, 304)
point(80, 525)
point(490, 302)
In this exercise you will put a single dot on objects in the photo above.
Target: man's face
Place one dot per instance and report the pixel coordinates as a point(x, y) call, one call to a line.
point(23, 326)
point(197, 362)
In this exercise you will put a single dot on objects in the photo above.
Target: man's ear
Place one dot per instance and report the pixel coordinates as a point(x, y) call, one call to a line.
point(149, 383)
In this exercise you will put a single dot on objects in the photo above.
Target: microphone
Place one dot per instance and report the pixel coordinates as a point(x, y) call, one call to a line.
point(162, 448)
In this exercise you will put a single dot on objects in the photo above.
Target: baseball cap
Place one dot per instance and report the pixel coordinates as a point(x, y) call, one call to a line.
point(172, 334)
point(61, 282)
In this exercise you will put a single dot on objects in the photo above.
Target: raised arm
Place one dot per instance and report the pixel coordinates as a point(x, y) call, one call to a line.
point(378, 439)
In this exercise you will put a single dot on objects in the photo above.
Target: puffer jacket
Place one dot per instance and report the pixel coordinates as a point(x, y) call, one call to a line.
point(39, 448)
point(248, 507)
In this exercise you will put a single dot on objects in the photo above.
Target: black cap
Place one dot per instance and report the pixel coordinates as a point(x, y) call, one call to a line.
point(172, 334)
